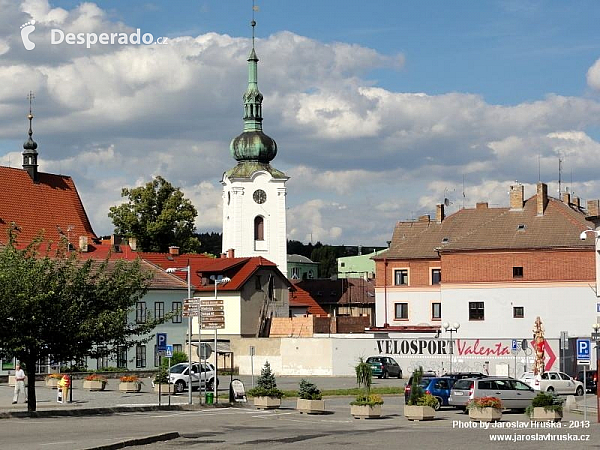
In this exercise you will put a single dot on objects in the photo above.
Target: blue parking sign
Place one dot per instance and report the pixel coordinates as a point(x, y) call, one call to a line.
point(584, 347)
point(161, 341)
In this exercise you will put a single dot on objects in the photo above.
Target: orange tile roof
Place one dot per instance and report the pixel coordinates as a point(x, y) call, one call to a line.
point(492, 229)
point(52, 204)
point(299, 298)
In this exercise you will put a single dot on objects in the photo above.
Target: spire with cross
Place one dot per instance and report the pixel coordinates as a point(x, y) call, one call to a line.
point(30, 153)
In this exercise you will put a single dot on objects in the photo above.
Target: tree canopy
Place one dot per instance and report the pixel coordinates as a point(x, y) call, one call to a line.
point(60, 306)
point(158, 216)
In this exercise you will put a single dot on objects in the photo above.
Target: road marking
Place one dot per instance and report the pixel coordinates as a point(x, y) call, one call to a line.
point(58, 443)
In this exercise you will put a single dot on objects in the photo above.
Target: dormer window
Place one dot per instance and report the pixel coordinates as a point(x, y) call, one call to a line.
point(445, 240)
point(521, 227)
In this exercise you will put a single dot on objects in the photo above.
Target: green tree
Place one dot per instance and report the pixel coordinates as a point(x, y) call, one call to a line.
point(326, 256)
point(59, 306)
point(158, 216)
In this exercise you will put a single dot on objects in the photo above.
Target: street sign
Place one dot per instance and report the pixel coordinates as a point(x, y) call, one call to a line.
point(584, 347)
point(514, 346)
point(213, 319)
point(598, 307)
point(169, 351)
point(211, 302)
point(161, 341)
point(204, 350)
point(213, 325)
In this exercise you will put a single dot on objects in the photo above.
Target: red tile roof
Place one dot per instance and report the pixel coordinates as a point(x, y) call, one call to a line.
point(299, 298)
point(52, 204)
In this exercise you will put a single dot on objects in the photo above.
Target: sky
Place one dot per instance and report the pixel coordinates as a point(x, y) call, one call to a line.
point(380, 109)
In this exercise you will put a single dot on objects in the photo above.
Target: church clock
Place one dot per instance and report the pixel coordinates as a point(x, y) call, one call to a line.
point(259, 196)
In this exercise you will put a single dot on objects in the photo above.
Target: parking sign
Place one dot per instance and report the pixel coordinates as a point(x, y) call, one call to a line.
point(584, 347)
point(161, 342)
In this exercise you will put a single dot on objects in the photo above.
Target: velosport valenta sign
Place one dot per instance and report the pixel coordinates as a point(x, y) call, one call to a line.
point(441, 347)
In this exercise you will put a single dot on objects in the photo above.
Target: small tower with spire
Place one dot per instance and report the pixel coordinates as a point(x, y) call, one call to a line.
point(254, 192)
point(30, 153)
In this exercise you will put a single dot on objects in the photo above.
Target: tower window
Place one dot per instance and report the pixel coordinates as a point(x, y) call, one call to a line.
point(259, 228)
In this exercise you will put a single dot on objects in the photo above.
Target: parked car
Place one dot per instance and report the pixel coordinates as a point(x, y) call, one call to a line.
point(514, 394)
point(591, 376)
point(384, 366)
point(558, 382)
point(440, 388)
point(460, 375)
point(180, 379)
point(408, 385)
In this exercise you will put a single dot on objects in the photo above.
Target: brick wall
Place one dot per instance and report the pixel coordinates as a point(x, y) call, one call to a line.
point(348, 324)
point(537, 266)
point(292, 326)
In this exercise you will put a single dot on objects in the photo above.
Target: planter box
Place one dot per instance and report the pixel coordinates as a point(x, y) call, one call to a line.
point(267, 402)
point(52, 383)
point(485, 414)
point(365, 411)
point(413, 412)
point(165, 388)
point(130, 386)
point(541, 415)
point(94, 385)
point(310, 406)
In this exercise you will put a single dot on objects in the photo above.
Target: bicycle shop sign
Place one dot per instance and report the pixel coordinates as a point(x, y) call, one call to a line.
point(441, 347)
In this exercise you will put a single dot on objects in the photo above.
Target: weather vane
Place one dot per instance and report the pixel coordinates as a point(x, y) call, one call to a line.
point(30, 97)
point(253, 23)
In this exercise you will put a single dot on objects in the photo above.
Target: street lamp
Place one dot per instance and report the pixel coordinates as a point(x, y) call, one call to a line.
point(220, 279)
point(451, 329)
point(596, 337)
point(189, 295)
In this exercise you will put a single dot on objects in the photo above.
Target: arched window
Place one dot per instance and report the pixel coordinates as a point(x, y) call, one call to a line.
point(259, 228)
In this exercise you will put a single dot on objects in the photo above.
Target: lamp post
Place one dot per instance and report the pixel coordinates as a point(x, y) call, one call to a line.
point(189, 295)
point(451, 329)
point(218, 280)
point(596, 338)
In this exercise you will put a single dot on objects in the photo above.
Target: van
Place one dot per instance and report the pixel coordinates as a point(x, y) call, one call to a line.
point(513, 394)
point(591, 383)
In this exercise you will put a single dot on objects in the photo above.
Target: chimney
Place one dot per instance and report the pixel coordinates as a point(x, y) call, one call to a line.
point(566, 198)
point(173, 250)
point(424, 218)
point(593, 207)
point(516, 196)
point(439, 213)
point(481, 205)
point(231, 253)
point(133, 244)
point(83, 244)
point(541, 198)
point(115, 242)
point(223, 255)
point(576, 202)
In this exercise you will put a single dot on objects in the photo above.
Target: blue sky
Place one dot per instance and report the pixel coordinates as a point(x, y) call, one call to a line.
point(379, 109)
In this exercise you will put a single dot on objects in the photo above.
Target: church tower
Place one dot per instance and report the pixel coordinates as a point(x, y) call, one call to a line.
point(254, 212)
point(30, 153)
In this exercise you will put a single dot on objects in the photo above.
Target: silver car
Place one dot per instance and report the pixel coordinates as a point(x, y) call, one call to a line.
point(204, 373)
point(514, 394)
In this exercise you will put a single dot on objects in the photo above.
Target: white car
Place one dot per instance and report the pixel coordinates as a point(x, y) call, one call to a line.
point(557, 382)
point(180, 379)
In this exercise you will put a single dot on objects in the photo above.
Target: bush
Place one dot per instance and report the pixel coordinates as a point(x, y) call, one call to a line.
point(368, 400)
point(266, 386)
point(427, 400)
point(130, 379)
point(364, 377)
point(309, 391)
point(162, 376)
point(57, 376)
point(178, 357)
point(485, 402)
point(548, 401)
point(96, 377)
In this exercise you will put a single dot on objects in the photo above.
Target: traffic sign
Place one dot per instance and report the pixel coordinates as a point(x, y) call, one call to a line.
point(213, 325)
point(169, 351)
point(161, 341)
point(584, 347)
point(514, 346)
point(204, 350)
point(211, 302)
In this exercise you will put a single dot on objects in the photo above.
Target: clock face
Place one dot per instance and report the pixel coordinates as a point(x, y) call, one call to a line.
point(259, 196)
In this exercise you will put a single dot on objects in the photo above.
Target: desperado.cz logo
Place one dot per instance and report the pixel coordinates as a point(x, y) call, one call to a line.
point(58, 36)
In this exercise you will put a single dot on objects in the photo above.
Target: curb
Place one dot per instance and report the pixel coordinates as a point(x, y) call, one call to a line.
point(139, 441)
point(107, 411)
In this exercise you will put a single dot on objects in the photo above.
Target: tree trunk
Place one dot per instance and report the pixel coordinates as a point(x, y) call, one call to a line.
point(30, 369)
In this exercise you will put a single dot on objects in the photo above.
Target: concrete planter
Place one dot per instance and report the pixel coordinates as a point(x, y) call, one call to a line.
point(52, 383)
point(541, 415)
point(165, 388)
point(267, 402)
point(94, 385)
point(414, 412)
point(310, 406)
point(130, 386)
point(365, 411)
point(485, 414)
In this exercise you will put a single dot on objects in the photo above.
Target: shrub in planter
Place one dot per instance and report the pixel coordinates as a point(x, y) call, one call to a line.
point(420, 406)
point(95, 382)
point(161, 382)
point(365, 405)
point(53, 379)
point(266, 394)
point(310, 398)
point(545, 406)
point(485, 409)
point(130, 383)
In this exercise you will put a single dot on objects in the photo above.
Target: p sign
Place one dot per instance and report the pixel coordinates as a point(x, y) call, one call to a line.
point(161, 341)
point(584, 347)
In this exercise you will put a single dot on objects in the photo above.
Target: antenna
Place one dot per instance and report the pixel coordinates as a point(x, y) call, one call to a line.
point(560, 161)
point(463, 205)
point(539, 168)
